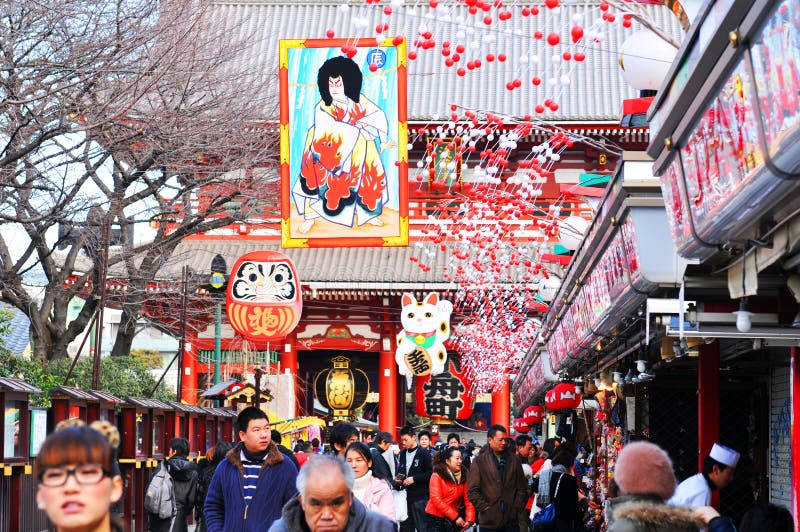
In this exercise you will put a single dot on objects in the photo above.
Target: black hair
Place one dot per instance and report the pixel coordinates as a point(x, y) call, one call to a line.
point(767, 517)
point(444, 455)
point(494, 429)
point(340, 433)
point(709, 463)
point(564, 455)
point(549, 445)
point(366, 454)
point(407, 431)
point(180, 446)
point(452, 436)
point(247, 415)
point(383, 437)
point(275, 436)
point(315, 442)
point(522, 439)
point(349, 72)
point(424, 432)
point(221, 450)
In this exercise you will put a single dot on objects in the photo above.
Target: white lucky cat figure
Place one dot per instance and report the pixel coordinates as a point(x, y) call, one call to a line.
point(420, 345)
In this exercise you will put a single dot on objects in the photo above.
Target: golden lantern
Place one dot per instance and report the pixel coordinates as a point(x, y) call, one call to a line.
point(341, 389)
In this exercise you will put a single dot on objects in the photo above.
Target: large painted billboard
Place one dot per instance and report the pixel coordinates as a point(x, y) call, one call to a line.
point(344, 161)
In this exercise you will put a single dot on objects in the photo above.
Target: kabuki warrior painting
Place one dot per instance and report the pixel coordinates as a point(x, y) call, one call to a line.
point(344, 159)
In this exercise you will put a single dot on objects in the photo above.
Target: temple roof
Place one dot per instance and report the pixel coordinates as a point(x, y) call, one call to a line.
point(595, 91)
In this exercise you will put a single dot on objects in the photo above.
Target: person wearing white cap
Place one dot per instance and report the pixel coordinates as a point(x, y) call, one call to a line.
point(718, 469)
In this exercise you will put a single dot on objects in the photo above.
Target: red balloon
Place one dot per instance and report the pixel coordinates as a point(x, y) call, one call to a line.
point(551, 4)
point(330, 34)
point(553, 39)
point(577, 33)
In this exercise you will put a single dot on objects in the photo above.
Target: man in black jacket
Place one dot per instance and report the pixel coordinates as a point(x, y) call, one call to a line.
point(413, 474)
point(184, 480)
point(380, 467)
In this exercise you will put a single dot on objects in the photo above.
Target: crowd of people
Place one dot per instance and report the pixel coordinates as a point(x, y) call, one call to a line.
point(361, 482)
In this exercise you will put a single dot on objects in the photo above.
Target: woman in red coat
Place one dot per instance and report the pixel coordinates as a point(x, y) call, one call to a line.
point(449, 508)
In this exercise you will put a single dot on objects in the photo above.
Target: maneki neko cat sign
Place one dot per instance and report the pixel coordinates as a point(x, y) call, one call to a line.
point(263, 298)
point(420, 345)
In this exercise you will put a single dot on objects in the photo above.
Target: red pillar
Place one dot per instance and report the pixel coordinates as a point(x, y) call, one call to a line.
point(708, 405)
point(501, 404)
point(289, 365)
point(387, 390)
point(189, 393)
point(795, 388)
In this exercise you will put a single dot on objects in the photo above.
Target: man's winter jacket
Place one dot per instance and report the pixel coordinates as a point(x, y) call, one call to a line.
point(294, 520)
point(225, 509)
point(641, 513)
point(497, 500)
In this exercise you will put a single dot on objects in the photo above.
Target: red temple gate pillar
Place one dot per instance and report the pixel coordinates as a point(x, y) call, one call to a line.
point(708, 405)
point(501, 404)
point(289, 365)
point(190, 386)
point(387, 390)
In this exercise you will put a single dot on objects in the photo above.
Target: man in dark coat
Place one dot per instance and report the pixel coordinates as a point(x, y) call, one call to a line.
point(252, 484)
point(496, 484)
point(326, 502)
point(276, 439)
point(184, 481)
point(413, 474)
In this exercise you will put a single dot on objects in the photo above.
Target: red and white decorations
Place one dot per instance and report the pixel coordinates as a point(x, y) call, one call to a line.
point(533, 415)
point(563, 396)
point(420, 345)
point(449, 395)
point(520, 426)
point(263, 299)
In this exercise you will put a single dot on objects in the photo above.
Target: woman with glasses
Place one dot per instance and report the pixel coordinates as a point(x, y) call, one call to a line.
point(77, 485)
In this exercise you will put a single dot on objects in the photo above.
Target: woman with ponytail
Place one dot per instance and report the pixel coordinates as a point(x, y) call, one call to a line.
point(449, 509)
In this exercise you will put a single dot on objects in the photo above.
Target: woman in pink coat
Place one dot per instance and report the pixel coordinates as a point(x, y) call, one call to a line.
point(372, 491)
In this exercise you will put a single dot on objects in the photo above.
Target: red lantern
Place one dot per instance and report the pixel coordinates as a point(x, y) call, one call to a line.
point(520, 426)
point(449, 395)
point(533, 415)
point(263, 299)
point(563, 396)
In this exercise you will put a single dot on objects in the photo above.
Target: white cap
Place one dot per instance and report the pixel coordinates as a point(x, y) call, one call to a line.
point(724, 455)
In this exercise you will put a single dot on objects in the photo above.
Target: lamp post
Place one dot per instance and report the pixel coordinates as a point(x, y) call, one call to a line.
point(218, 283)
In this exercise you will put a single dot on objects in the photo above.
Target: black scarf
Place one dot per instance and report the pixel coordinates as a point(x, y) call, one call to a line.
point(256, 458)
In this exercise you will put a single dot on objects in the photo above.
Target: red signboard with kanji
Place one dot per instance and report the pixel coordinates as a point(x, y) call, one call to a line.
point(448, 395)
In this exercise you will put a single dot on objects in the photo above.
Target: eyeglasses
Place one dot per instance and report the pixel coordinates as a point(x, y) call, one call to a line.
point(85, 474)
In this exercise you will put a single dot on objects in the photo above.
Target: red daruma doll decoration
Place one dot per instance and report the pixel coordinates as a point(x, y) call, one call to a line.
point(563, 396)
point(263, 298)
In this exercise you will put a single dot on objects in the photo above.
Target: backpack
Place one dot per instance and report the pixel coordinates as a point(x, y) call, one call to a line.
point(159, 498)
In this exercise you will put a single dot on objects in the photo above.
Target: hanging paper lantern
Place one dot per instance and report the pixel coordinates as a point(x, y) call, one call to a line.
point(449, 395)
point(645, 59)
point(533, 415)
point(263, 298)
point(341, 389)
point(520, 426)
point(563, 396)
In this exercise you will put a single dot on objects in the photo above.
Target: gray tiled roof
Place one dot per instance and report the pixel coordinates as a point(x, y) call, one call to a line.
point(595, 94)
point(339, 265)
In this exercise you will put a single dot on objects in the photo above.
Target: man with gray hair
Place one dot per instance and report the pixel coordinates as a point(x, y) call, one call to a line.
point(325, 502)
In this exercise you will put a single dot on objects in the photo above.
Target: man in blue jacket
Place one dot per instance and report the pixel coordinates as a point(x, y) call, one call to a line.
point(252, 484)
